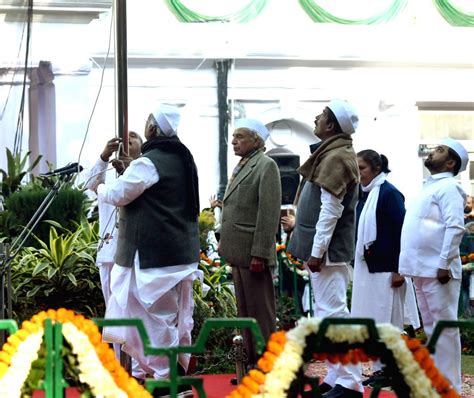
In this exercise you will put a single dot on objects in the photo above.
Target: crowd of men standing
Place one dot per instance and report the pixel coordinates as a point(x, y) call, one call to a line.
point(347, 214)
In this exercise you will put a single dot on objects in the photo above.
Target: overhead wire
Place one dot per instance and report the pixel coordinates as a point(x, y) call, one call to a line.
point(21, 113)
point(100, 87)
point(14, 69)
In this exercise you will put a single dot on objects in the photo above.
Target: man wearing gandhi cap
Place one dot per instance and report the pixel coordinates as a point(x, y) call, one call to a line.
point(431, 235)
point(324, 232)
point(158, 247)
point(249, 223)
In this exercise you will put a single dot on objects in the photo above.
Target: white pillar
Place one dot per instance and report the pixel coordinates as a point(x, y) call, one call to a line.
point(42, 111)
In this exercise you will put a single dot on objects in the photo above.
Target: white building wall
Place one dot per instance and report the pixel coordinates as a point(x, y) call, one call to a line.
point(284, 68)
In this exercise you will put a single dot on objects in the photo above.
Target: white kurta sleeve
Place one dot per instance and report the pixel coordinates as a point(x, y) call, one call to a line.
point(96, 175)
point(331, 211)
point(451, 204)
point(139, 176)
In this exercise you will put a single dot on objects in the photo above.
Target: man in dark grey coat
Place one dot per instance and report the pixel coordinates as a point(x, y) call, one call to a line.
point(250, 217)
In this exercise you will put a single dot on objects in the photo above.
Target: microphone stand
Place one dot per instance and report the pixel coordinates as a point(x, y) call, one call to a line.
point(10, 252)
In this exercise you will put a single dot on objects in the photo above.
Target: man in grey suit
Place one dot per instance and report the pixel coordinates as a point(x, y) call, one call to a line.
point(250, 217)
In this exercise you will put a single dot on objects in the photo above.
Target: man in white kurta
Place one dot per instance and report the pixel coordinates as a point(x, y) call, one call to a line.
point(431, 235)
point(160, 294)
point(98, 174)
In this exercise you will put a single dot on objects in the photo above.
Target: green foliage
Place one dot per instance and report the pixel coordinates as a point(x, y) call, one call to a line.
point(467, 364)
point(218, 302)
point(60, 273)
point(206, 224)
point(67, 209)
point(35, 379)
point(17, 169)
point(467, 340)
point(287, 313)
point(37, 374)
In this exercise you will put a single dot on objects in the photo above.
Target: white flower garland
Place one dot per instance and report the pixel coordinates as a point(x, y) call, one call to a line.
point(27, 351)
point(414, 376)
point(347, 333)
point(91, 370)
point(279, 379)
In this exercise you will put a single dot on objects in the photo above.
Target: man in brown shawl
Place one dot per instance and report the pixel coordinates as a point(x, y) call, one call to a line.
point(324, 232)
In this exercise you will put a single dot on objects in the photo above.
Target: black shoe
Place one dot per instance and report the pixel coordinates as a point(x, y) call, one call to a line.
point(379, 378)
point(164, 392)
point(339, 391)
point(185, 392)
point(233, 381)
point(324, 387)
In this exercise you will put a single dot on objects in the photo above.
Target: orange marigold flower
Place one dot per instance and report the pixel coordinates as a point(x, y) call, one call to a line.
point(320, 356)
point(61, 313)
point(244, 391)
point(269, 357)
point(22, 334)
point(251, 384)
point(274, 347)
point(345, 358)
point(419, 355)
point(428, 363)
point(258, 376)
point(9, 349)
point(333, 358)
point(39, 318)
point(51, 314)
point(3, 368)
point(413, 343)
point(14, 340)
point(5, 358)
point(79, 320)
point(95, 338)
point(29, 326)
point(279, 337)
point(432, 372)
point(264, 365)
point(441, 384)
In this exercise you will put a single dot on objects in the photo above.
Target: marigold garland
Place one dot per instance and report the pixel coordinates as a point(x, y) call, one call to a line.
point(86, 327)
point(16, 357)
point(423, 357)
point(252, 383)
point(279, 364)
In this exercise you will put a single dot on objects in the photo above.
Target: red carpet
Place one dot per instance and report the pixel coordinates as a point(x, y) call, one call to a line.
point(218, 386)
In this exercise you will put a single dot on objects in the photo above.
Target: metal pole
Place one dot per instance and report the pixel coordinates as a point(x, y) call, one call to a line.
point(240, 357)
point(222, 68)
point(121, 71)
point(9, 286)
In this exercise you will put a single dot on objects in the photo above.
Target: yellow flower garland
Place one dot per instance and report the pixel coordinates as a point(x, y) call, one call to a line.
point(17, 355)
point(97, 363)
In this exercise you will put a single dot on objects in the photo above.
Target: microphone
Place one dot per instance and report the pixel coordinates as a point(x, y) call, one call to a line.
point(66, 170)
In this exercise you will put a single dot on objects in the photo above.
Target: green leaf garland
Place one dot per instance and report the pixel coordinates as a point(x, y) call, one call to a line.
point(319, 14)
point(247, 13)
point(453, 15)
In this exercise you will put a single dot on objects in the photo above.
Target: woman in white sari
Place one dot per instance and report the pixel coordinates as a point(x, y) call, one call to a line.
point(378, 289)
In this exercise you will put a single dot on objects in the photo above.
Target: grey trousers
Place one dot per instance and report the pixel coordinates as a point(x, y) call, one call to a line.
point(255, 299)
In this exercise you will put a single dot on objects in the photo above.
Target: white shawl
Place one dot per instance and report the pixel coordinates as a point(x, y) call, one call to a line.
point(367, 230)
